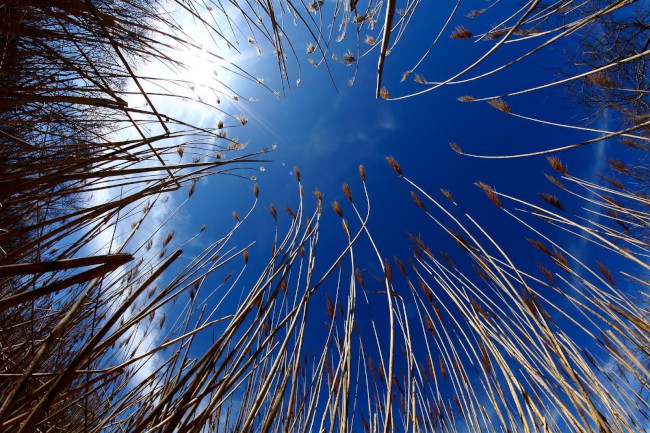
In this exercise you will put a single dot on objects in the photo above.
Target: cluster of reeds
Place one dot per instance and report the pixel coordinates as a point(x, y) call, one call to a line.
point(81, 174)
point(551, 341)
point(101, 329)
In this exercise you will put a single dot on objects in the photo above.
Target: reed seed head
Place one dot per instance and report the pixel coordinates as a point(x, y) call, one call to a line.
point(491, 193)
point(348, 58)
point(291, 213)
point(606, 273)
point(417, 201)
point(273, 212)
point(461, 33)
point(337, 208)
point(500, 105)
point(362, 173)
point(448, 195)
point(554, 181)
point(557, 165)
point(552, 200)
point(474, 13)
point(387, 271)
point(346, 191)
point(168, 239)
point(456, 147)
point(357, 274)
point(394, 165)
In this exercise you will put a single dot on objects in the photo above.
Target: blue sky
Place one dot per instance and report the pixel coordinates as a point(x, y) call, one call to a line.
point(328, 129)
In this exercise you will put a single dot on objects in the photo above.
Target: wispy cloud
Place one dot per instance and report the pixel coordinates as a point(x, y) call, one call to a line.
point(387, 120)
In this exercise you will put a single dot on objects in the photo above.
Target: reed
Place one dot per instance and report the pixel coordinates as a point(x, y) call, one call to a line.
point(101, 329)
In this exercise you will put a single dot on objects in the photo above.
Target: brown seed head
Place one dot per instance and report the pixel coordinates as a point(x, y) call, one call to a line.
point(245, 257)
point(387, 271)
point(491, 193)
point(605, 272)
point(357, 273)
point(296, 173)
point(448, 195)
point(552, 200)
point(554, 181)
point(235, 215)
point(394, 165)
point(618, 166)
point(168, 239)
point(417, 201)
point(546, 272)
point(256, 190)
point(273, 212)
point(348, 58)
point(447, 259)
point(384, 93)
point(456, 147)
point(540, 246)
point(495, 33)
point(362, 173)
point(500, 105)
point(346, 191)
point(474, 13)
point(318, 194)
point(400, 266)
point(291, 213)
point(560, 259)
point(337, 208)
point(557, 165)
point(466, 98)
point(461, 33)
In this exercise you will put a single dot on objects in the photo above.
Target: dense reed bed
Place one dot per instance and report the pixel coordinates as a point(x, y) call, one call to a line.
point(103, 329)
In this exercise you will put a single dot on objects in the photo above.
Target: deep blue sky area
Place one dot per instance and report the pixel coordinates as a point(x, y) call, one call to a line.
point(327, 131)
